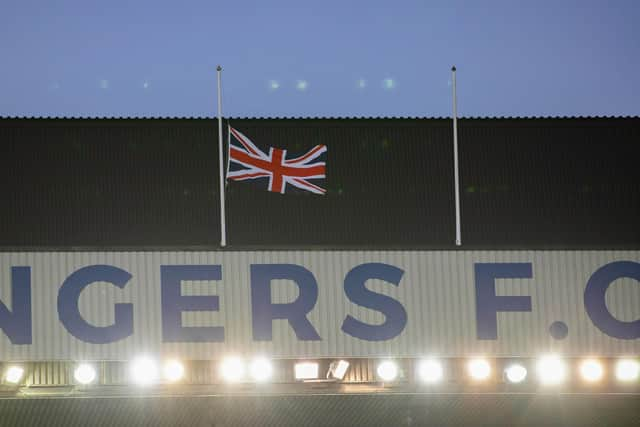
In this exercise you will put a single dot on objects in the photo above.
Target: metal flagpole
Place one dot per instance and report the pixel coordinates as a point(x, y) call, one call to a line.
point(223, 225)
point(456, 171)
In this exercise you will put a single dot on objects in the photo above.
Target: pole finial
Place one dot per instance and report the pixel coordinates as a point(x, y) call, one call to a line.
point(218, 68)
point(453, 68)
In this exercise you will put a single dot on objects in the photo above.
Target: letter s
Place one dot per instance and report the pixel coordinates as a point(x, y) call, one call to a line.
point(354, 287)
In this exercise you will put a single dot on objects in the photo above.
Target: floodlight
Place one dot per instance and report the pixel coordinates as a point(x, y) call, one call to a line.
point(388, 83)
point(338, 369)
point(591, 370)
point(274, 85)
point(306, 370)
point(14, 374)
point(551, 370)
point(515, 373)
point(430, 371)
point(260, 369)
point(479, 369)
point(627, 370)
point(144, 370)
point(232, 369)
point(84, 373)
point(173, 370)
point(387, 370)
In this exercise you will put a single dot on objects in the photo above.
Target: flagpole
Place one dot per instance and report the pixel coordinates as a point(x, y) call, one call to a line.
point(223, 225)
point(456, 170)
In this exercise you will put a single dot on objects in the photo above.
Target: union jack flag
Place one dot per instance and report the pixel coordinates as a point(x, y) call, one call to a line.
point(248, 162)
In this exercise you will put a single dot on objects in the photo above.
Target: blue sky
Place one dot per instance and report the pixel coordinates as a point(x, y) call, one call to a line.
point(319, 58)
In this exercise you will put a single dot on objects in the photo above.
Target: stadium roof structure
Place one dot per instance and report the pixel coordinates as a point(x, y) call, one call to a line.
point(385, 409)
point(320, 117)
point(103, 184)
point(526, 183)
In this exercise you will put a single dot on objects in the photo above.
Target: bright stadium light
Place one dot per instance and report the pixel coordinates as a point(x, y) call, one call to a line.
point(479, 369)
point(591, 370)
point(627, 370)
point(84, 374)
point(144, 370)
point(551, 370)
point(173, 370)
point(387, 370)
point(14, 374)
point(306, 370)
point(232, 369)
point(338, 369)
point(260, 369)
point(430, 371)
point(274, 85)
point(515, 373)
point(388, 83)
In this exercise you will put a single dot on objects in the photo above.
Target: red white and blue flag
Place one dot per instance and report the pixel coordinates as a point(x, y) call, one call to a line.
point(275, 169)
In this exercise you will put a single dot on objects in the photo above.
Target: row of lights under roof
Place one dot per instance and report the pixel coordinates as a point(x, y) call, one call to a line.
point(550, 370)
point(145, 371)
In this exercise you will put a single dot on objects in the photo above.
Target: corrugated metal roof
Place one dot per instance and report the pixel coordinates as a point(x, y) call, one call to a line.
point(381, 409)
point(568, 117)
point(437, 292)
point(134, 183)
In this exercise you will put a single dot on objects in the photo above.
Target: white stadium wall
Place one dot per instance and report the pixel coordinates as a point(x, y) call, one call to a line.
point(115, 305)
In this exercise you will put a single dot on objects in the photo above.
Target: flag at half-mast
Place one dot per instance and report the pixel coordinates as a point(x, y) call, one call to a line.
point(275, 170)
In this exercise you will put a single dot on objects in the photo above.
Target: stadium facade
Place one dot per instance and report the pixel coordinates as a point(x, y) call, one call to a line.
point(110, 234)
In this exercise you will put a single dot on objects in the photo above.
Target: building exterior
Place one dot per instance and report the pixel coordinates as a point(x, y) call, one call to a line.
point(110, 233)
point(556, 183)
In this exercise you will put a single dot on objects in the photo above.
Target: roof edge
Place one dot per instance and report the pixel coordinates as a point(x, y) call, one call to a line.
point(603, 117)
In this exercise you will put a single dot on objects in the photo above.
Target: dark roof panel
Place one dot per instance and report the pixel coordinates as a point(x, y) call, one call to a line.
point(152, 183)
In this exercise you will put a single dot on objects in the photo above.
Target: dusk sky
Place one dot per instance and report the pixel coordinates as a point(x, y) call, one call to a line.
point(325, 58)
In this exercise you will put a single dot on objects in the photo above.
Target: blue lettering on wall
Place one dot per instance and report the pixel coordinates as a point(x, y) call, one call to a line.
point(488, 304)
point(69, 313)
point(357, 292)
point(174, 303)
point(264, 311)
point(595, 302)
point(17, 324)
